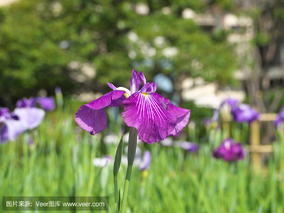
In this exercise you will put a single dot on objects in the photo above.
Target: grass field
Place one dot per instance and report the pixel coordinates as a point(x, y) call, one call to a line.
point(59, 163)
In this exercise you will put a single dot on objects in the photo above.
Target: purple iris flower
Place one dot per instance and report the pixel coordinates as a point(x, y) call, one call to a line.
point(244, 113)
point(154, 117)
point(229, 151)
point(241, 112)
point(47, 103)
point(24, 103)
point(25, 117)
point(146, 160)
point(280, 117)
point(29, 113)
point(31, 117)
point(10, 125)
point(230, 101)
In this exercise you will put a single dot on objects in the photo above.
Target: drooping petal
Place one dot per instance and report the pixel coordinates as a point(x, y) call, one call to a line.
point(92, 117)
point(182, 115)
point(148, 114)
point(146, 160)
point(135, 82)
point(31, 116)
point(47, 103)
point(182, 118)
point(91, 120)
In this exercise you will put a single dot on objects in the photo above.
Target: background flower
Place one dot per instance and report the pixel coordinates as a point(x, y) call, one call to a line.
point(229, 151)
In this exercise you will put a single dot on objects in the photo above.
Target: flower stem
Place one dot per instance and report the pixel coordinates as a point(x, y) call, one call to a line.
point(126, 186)
point(132, 144)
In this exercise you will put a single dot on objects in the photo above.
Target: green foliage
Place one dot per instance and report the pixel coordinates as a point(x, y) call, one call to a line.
point(261, 39)
point(98, 32)
point(59, 163)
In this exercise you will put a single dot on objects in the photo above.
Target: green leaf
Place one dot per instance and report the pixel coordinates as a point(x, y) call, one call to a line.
point(132, 144)
point(117, 159)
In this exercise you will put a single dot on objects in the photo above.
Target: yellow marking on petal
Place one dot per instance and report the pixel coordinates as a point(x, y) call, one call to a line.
point(126, 95)
point(145, 94)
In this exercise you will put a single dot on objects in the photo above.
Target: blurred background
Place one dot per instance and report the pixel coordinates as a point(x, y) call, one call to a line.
point(198, 52)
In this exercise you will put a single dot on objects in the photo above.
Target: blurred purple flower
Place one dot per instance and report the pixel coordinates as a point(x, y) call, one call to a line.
point(280, 117)
point(154, 117)
point(24, 103)
point(58, 90)
point(188, 146)
point(10, 125)
point(4, 113)
point(27, 116)
point(229, 151)
point(146, 160)
point(244, 113)
point(230, 101)
point(47, 103)
point(31, 117)
point(143, 162)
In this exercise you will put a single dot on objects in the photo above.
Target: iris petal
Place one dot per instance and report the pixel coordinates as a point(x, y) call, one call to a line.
point(149, 87)
point(182, 115)
point(148, 114)
point(47, 103)
point(11, 129)
point(31, 116)
point(92, 117)
point(135, 82)
point(142, 76)
point(4, 134)
point(111, 86)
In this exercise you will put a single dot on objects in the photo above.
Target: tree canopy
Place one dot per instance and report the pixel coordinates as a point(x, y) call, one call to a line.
point(40, 38)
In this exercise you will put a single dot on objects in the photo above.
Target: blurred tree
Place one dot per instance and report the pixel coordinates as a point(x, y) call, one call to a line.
point(47, 43)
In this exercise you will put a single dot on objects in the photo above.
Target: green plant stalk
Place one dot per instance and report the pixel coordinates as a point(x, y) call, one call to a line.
point(116, 167)
point(116, 194)
point(126, 186)
point(132, 144)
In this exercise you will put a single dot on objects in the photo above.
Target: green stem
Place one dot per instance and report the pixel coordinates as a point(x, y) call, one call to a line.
point(126, 186)
point(115, 194)
point(132, 144)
